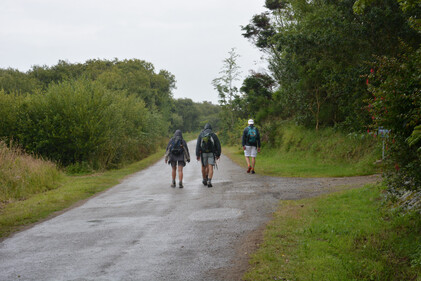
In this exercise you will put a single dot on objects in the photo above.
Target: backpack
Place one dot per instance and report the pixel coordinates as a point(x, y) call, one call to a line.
point(252, 135)
point(176, 147)
point(207, 142)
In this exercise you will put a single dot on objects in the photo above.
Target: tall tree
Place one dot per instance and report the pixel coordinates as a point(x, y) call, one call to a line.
point(227, 91)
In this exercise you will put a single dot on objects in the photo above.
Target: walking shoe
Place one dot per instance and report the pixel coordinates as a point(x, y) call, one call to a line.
point(253, 172)
point(248, 170)
point(180, 184)
point(209, 183)
point(205, 182)
point(173, 184)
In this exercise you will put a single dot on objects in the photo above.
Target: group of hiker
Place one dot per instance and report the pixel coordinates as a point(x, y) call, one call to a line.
point(208, 151)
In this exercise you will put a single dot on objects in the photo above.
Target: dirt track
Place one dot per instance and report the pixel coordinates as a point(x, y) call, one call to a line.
point(142, 229)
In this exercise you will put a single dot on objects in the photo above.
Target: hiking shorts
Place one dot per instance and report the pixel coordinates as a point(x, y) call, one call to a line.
point(251, 151)
point(179, 163)
point(208, 159)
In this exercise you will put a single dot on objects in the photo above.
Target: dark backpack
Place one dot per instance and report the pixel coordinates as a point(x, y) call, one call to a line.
point(252, 135)
point(176, 147)
point(207, 142)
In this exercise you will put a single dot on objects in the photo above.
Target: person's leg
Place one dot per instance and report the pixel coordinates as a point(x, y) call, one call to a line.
point(174, 171)
point(248, 161)
point(247, 155)
point(204, 172)
point(253, 155)
point(210, 175)
point(180, 175)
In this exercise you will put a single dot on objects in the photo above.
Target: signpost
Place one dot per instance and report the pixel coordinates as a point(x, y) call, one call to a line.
point(383, 133)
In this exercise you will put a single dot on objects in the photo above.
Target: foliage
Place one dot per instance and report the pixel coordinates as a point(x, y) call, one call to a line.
point(208, 113)
point(188, 113)
point(396, 105)
point(133, 76)
point(98, 114)
point(82, 121)
point(227, 91)
point(258, 96)
point(317, 52)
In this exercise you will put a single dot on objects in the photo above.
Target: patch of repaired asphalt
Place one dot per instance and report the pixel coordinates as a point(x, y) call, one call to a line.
point(215, 214)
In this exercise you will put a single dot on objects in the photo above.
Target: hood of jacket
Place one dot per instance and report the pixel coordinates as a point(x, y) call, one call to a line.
point(178, 133)
point(208, 126)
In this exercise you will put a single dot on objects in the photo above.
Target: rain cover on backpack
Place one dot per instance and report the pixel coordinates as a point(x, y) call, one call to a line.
point(207, 142)
point(176, 147)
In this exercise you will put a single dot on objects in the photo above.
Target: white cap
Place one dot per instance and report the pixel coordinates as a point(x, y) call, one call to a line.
point(251, 121)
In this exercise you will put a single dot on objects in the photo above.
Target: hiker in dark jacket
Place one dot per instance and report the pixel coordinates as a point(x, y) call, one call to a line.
point(177, 154)
point(251, 145)
point(208, 149)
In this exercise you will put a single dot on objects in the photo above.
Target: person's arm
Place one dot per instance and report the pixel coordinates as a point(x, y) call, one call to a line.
point(167, 151)
point(218, 146)
point(186, 150)
point(199, 139)
point(258, 140)
point(243, 139)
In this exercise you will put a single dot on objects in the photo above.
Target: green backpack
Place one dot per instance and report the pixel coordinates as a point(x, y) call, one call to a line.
point(207, 142)
point(252, 135)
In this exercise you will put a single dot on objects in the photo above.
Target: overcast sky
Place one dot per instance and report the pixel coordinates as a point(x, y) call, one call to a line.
point(188, 38)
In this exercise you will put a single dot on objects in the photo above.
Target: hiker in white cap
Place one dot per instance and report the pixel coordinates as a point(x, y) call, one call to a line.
point(251, 145)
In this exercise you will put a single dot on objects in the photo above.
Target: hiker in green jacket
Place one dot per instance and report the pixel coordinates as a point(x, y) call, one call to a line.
point(251, 145)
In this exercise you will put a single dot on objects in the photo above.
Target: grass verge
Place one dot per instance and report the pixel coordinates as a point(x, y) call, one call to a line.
point(16, 215)
point(295, 151)
point(274, 162)
point(340, 236)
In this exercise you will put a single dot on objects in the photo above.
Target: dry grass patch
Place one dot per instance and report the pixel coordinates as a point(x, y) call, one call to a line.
point(22, 174)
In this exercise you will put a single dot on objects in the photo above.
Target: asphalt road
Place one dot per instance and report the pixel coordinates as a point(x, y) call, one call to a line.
point(142, 229)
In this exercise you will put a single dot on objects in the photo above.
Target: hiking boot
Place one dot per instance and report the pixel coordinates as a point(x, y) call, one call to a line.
point(209, 183)
point(173, 184)
point(205, 182)
point(253, 172)
point(180, 184)
point(248, 170)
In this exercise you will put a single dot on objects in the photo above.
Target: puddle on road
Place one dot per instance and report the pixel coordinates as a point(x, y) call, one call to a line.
point(215, 214)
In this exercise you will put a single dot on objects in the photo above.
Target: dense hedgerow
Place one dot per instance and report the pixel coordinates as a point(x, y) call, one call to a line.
point(82, 121)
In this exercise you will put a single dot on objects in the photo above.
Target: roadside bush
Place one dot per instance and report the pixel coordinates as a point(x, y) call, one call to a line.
point(81, 121)
point(396, 105)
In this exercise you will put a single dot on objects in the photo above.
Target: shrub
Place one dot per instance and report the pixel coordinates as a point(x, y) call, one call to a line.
point(396, 105)
point(81, 121)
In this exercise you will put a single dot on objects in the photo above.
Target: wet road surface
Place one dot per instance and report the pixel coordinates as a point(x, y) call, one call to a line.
point(142, 229)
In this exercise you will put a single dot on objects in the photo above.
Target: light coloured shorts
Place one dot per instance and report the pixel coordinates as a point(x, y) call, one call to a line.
point(208, 159)
point(251, 151)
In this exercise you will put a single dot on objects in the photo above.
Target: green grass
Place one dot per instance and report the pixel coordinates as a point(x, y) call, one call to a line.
point(340, 236)
point(299, 152)
point(16, 215)
point(273, 162)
